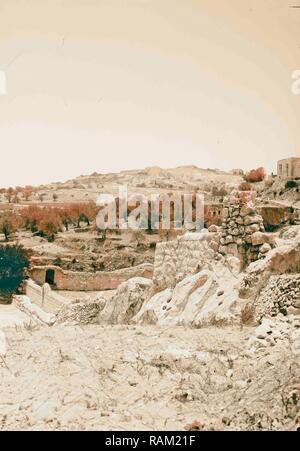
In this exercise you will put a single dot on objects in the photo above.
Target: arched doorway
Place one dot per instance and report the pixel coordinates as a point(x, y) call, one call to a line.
point(50, 277)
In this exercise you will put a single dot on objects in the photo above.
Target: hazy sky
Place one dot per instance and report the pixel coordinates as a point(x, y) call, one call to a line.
point(106, 85)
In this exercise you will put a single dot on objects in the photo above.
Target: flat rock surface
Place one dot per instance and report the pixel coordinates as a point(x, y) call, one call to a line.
point(10, 316)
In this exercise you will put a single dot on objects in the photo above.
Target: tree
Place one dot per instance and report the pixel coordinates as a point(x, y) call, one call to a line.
point(88, 212)
point(8, 224)
point(9, 194)
point(255, 175)
point(31, 216)
point(14, 261)
point(66, 217)
point(83, 212)
point(45, 220)
point(27, 192)
point(50, 223)
point(16, 199)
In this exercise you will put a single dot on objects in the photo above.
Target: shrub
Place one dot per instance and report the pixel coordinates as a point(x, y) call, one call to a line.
point(255, 175)
point(290, 184)
point(245, 186)
point(14, 261)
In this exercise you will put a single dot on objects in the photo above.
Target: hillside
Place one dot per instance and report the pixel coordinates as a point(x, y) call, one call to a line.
point(149, 180)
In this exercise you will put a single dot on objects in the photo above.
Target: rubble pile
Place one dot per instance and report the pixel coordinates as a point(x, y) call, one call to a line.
point(281, 295)
point(81, 312)
point(281, 331)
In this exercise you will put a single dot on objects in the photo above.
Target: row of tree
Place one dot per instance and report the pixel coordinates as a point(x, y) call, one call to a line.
point(47, 221)
point(13, 195)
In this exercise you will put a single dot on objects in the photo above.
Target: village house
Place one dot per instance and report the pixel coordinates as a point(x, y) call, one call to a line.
point(288, 168)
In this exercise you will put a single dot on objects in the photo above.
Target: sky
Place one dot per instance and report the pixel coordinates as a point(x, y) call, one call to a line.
point(108, 85)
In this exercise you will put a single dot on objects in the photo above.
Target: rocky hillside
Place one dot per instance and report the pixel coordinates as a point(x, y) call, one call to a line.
point(153, 179)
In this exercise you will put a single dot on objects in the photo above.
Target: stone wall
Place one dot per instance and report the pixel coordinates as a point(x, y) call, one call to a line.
point(174, 260)
point(44, 297)
point(88, 281)
point(242, 232)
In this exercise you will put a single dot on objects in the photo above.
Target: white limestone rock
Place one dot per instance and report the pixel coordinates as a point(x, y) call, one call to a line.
point(151, 310)
point(3, 347)
point(126, 302)
point(203, 298)
point(35, 312)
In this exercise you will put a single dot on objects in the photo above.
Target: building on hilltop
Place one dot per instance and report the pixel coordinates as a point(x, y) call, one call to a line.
point(289, 167)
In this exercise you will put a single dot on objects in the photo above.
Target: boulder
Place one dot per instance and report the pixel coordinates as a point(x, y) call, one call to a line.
point(256, 219)
point(283, 259)
point(151, 310)
point(247, 211)
point(265, 248)
point(265, 329)
point(213, 228)
point(229, 239)
point(126, 302)
point(214, 246)
point(252, 228)
point(259, 238)
point(208, 297)
point(34, 311)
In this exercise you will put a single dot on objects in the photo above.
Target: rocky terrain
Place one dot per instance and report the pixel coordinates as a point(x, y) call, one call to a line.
point(219, 349)
point(209, 339)
point(151, 378)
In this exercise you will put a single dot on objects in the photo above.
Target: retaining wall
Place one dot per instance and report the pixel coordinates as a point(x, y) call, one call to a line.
point(44, 297)
point(174, 260)
point(88, 281)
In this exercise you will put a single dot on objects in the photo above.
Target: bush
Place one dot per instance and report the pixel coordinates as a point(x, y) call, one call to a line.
point(245, 186)
point(255, 175)
point(290, 184)
point(14, 261)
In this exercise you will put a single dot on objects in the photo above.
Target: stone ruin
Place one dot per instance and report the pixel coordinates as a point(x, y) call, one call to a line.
point(242, 232)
